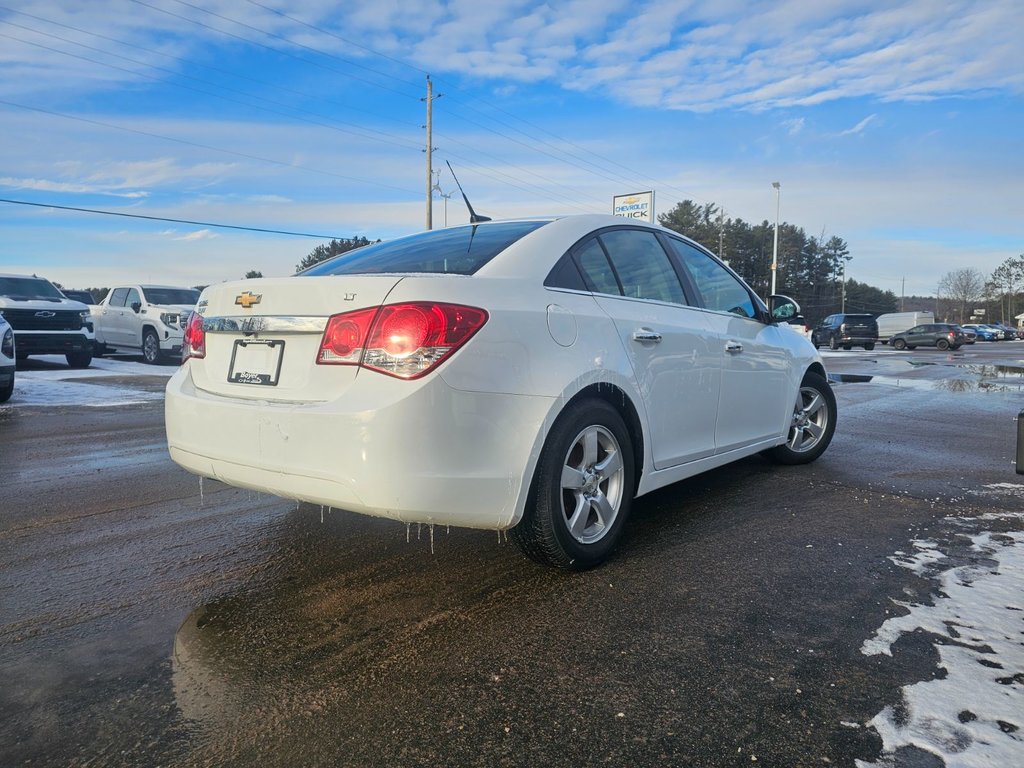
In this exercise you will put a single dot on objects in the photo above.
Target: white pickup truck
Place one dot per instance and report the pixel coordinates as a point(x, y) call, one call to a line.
point(144, 318)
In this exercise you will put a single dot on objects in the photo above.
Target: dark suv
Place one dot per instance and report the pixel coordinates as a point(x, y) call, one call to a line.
point(941, 335)
point(847, 331)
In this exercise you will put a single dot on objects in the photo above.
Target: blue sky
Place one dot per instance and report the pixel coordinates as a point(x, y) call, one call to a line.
point(897, 126)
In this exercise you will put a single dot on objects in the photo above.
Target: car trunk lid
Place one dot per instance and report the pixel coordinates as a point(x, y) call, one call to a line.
point(263, 336)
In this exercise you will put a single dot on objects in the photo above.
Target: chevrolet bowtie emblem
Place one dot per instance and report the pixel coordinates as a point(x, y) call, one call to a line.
point(247, 299)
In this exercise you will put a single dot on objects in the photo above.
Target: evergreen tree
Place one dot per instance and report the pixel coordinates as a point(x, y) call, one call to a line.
point(332, 249)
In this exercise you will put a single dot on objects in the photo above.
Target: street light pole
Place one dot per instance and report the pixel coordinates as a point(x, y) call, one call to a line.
point(775, 248)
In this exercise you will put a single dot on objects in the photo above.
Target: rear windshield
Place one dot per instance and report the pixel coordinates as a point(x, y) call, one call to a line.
point(454, 251)
point(171, 295)
point(29, 288)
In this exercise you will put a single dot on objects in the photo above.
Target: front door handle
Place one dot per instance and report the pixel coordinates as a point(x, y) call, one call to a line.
point(646, 334)
point(733, 346)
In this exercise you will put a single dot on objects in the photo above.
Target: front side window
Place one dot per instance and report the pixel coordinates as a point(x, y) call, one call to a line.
point(642, 266)
point(453, 251)
point(117, 297)
point(719, 289)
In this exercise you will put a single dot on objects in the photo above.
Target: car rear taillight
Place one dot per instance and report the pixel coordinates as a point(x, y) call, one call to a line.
point(405, 340)
point(195, 337)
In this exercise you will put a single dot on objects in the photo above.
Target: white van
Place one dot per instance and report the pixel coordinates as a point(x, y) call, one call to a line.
point(894, 322)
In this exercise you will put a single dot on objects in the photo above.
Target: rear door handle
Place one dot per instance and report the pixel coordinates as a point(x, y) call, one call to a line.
point(646, 334)
point(733, 346)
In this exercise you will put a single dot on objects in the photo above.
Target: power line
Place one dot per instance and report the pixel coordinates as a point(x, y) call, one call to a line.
point(191, 62)
point(174, 221)
point(383, 138)
point(204, 146)
point(279, 51)
point(565, 158)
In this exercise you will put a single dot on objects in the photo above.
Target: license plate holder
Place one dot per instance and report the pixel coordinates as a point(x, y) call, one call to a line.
point(256, 361)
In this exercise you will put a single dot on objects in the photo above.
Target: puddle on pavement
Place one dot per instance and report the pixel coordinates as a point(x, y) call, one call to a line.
point(987, 378)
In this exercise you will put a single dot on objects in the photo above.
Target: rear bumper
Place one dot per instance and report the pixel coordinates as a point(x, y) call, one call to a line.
point(424, 453)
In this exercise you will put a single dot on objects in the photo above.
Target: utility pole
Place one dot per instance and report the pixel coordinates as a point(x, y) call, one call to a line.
point(843, 300)
point(429, 150)
point(721, 234)
point(444, 195)
point(775, 247)
point(903, 291)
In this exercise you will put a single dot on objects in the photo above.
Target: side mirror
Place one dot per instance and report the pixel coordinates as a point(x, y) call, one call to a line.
point(782, 308)
point(136, 306)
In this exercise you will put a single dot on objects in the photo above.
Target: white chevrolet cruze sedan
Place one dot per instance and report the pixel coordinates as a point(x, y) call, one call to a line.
point(531, 375)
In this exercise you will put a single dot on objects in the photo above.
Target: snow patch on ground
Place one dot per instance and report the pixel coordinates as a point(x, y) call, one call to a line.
point(974, 717)
point(1001, 489)
point(53, 388)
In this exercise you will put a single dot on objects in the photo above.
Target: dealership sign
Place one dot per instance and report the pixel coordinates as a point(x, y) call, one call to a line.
point(639, 205)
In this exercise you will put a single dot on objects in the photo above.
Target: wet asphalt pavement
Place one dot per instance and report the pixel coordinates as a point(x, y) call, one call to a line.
point(146, 622)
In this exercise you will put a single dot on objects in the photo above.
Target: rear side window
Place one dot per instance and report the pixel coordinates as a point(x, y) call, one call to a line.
point(596, 269)
point(642, 266)
point(454, 251)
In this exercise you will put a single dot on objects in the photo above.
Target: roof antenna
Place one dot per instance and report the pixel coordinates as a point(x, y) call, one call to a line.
point(474, 218)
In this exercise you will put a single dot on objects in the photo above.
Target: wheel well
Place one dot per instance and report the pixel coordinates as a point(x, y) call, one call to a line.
point(620, 401)
point(817, 368)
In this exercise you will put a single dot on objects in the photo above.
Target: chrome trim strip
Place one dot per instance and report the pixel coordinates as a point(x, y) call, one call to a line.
point(264, 324)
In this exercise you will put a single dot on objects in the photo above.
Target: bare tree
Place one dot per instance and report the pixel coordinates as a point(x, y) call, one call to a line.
point(1006, 282)
point(963, 287)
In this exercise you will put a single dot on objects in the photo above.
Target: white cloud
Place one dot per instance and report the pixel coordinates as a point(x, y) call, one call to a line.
point(200, 234)
point(859, 127)
point(794, 126)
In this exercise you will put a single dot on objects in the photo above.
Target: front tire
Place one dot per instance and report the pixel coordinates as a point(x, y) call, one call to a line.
point(79, 359)
point(813, 423)
point(6, 392)
point(899, 344)
point(582, 489)
point(150, 347)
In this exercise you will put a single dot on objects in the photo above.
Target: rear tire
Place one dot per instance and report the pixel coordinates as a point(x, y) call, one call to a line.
point(869, 346)
point(813, 423)
point(6, 392)
point(832, 343)
point(942, 344)
point(582, 489)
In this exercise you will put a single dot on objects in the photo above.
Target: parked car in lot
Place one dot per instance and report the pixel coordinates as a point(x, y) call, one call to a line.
point(77, 295)
point(941, 335)
point(970, 335)
point(893, 322)
point(8, 360)
point(530, 375)
point(46, 322)
point(846, 330)
point(1008, 333)
point(983, 332)
point(144, 318)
